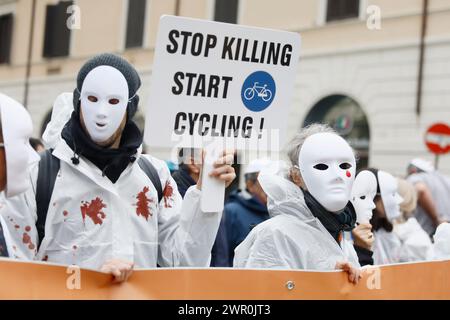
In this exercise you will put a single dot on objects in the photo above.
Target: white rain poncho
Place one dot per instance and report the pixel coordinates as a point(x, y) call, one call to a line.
point(292, 238)
point(441, 247)
point(91, 220)
point(415, 242)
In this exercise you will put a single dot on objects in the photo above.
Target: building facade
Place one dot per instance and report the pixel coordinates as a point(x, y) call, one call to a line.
point(359, 74)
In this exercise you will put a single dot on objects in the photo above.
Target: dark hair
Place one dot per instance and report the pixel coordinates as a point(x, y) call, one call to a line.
point(35, 143)
point(252, 176)
point(378, 221)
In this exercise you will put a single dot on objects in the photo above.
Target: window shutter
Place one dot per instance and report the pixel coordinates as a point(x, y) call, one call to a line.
point(226, 11)
point(342, 9)
point(57, 35)
point(6, 29)
point(135, 23)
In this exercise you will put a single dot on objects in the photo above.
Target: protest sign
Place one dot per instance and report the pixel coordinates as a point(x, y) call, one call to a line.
point(216, 81)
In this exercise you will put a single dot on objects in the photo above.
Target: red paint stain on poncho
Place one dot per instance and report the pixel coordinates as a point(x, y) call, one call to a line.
point(142, 204)
point(26, 239)
point(65, 213)
point(93, 210)
point(27, 228)
point(167, 194)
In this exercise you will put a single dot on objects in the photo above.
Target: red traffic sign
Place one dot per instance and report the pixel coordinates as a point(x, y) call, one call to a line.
point(437, 138)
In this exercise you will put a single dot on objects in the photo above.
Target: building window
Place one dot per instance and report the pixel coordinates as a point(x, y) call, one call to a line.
point(226, 11)
point(57, 35)
point(6, 26)
point(342, 9)
point(135, 23)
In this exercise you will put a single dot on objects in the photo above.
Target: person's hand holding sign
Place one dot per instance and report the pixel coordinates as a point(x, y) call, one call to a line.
point(222, 168)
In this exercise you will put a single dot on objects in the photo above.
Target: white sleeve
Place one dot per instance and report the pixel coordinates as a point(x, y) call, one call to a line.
point(19, 215)
point(261, 249)
point(186, 235)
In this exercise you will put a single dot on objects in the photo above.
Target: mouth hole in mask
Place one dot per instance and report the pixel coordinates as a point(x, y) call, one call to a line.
point(114, 101)
point(345, 166)
point(92, 99)
point(321, 166)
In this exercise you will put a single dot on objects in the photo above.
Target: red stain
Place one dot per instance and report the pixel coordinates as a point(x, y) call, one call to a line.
point(26, 238)
point(93, 210)
point(27, 228)
point(65, 213)
point(348, 174)
point(142, 205)
point(17, 226)
point(167, 193)
point(45, 258)
point(75, 247)
point(14, 248)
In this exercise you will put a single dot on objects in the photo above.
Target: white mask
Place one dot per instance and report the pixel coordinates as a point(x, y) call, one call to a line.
point(104, 100)
point(327, 165)
point(17, 129)
point(363, 192)
point(389, 195)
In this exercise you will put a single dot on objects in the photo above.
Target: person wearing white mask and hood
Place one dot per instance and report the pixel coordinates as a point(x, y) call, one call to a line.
point(363, 193)
point(387, 245)
point(310, 206)
point(109, 207)
point(15, 156)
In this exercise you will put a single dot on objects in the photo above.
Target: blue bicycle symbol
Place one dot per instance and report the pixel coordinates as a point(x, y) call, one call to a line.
point(258, 91)
point(261, 91)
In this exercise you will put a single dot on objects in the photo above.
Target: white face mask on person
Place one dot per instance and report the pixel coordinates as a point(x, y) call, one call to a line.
point(363, 192)
point(104, 100)
point(389, 195)
point(17, 128)
point(327, 165)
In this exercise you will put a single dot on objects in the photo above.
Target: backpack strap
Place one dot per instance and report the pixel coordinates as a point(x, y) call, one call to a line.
point(48, 170)
point(152, 174)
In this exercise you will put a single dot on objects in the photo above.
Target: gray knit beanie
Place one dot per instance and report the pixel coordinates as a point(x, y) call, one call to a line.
point(128, 71)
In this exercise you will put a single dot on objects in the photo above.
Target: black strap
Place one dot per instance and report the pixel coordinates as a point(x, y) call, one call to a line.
point(151, 173)
point(48, 170)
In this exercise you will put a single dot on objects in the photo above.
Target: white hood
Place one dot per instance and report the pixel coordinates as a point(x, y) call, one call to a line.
point(62, 110)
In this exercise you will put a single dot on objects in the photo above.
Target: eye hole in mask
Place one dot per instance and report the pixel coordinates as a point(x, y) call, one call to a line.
point(92, 99)
point(114, 101)
point(321, 166)
point(345, 166)
point(362, 197)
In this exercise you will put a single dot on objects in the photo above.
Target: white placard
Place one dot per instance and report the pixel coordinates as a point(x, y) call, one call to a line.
point(217, 81)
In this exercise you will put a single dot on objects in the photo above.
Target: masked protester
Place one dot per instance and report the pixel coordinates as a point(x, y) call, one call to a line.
point(363, 192)
point(433, 188)
point(416, 244)
point(387, 245)
point(112, 208)
point(15, 155)
point(310, 209)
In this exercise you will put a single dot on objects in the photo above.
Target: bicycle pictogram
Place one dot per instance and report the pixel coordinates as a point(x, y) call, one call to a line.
point(261, 92)
point(258, 91)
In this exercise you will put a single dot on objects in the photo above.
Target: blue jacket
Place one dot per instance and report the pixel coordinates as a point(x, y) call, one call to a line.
point(241, 214)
